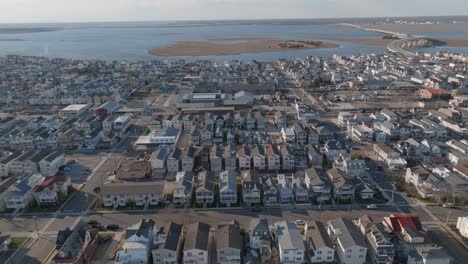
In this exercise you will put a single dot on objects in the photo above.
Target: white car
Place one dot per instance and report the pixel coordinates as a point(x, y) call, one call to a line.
point(371, 206)
point(448, 205)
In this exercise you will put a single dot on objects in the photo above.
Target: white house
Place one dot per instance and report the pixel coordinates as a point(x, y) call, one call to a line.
point(21, 193)
point(183, 187)
point(349, 242)
point(290, 245)
point(140, 193)
point(138, 243)
point(168, 241)
point(51, 164)
point(51, 189)
point(228, 187)
point(319, 246)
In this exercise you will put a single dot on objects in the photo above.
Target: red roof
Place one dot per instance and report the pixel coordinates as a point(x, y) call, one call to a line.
point(398, 221)
point(50, 181)
point(437, 91)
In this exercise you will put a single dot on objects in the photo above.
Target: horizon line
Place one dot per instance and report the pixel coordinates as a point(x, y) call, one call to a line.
point(238, 19)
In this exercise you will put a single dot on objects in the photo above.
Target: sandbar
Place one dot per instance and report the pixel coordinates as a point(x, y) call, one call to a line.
point(236, 46)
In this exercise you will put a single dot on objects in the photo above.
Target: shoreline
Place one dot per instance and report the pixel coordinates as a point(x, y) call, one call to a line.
point(236, 46)
point(449, 42)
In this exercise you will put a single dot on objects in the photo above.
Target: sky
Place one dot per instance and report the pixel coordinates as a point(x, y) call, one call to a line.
point(30, 11)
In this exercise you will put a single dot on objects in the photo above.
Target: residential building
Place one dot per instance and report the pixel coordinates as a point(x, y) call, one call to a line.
point(52, 188)
point(251, 192)
point(349, 242)
point(318, 244)
point(258, 156)
point(229, 244)
point(205, 190)
point(228, 187)
point(138, 243)
point(259, 235)
point(343, 190)
point(287, 158)
point(462, 226)
point(244, 157)
point(319, 189)
point(78, 247)
point(285, 189)
point(21, 193)
point(183, 187)
point(188, 158)
point(230, 157)
point(173, 160)
point(273, 158)
point(379, 241)
point(216, 159)
point(290, 245)
point(300, 190)
point(51, 164)
point(168, 240)
point(143, 194)
point(196, 245)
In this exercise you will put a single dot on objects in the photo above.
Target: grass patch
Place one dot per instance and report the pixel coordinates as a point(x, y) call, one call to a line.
point(16, 243)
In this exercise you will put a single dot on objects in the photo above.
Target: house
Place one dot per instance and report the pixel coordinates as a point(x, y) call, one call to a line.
point(290, 245)
point(258, 156)
point(259, 235)
point(139, 193)
point(228, 244)
point(273, 158)
point(355, 167)
point(230, 157)
point(21, 193)
point(188, 158)
point(158, 162)
point(425, 182)
point(288, 135)
point(462, 226)
point(183, 187)
point(379, 241)
point(108, 108)
point(301, 136)
point(270, 191)
point(228, 187)
point(314, 158)
point(434, 94)
point(287, 158)
point(318, 187)
point(51, 189)
point(6, 163)
point(342, 188)
point(196, 246)
point(349, 242)
point(205, 190)
point(285, 189)
point(244, 157)
point(79, 246)
point(50, 165)
point(168, 240)
point(429, 254)
point(138, 243)
point(216, 159)
point(333, 148)
point(251, 192)
point(391, 158)
point(300, 190)
point(73, 110)
point(4, 186)
point(173, 160)
point(318, 244)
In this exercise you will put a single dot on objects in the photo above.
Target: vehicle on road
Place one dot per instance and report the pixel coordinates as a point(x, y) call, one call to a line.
point(448, 205)
point(93, 224)
point(371, 206)
point(97, 189)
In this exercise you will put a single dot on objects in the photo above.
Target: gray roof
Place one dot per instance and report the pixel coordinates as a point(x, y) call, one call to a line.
point(317, 232)
point(53, 155)
point(288, 236)
point(259, 225)
point(349, 235)
point(228, 236)
point(197, 236)
point(129, 188)
point(173, 236)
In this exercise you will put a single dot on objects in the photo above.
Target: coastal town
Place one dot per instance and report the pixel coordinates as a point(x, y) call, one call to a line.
point(347, 159)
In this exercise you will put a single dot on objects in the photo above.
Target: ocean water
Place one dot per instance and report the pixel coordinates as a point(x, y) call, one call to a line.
point(131, 40)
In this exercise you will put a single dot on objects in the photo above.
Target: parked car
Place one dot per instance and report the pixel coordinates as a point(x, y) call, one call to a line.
point(93, 224)
point(448, 205)
point(371, 206)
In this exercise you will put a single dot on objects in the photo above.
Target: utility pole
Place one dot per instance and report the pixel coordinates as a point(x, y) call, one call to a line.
point(447, 220)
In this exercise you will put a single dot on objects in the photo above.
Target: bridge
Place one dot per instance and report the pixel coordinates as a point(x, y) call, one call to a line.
point(400, 45)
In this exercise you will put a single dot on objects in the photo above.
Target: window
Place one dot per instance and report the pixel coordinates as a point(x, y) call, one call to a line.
point(349, 250)
point(348, 256)
point(361, 256)
point(361, 250)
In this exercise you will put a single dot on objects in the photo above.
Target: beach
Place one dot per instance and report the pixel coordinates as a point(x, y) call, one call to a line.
point(235, 46)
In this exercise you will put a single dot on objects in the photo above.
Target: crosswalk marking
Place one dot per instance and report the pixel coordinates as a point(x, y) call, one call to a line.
point(430, 223)
point(49, 233)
